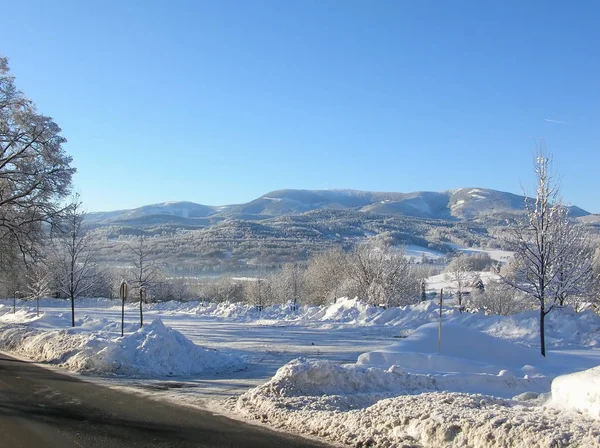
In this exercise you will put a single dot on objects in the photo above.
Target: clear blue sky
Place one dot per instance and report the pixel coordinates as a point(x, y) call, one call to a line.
point(220, 102)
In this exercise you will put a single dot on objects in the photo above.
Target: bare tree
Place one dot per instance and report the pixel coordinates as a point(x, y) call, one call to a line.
point(325, 275)
point(499, 298)
point(382, 275)
point(38, 282)
point(35, 172)
point(575, 263)
point(256, 292)
point(77, 269)
point(458, 272)
point(180, 288)
point(145, 271)
point(12, 275)
point(551, 262)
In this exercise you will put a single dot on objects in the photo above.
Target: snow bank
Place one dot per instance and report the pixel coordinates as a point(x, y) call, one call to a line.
point(409, 395)
point(361, 407)
point(564, 327)
point(329, 381)
point(52, 320)
point(154, 350)
point(580, 391)
point(463, 350)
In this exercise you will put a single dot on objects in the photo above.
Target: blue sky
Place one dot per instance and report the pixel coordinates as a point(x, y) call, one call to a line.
point(220, 102)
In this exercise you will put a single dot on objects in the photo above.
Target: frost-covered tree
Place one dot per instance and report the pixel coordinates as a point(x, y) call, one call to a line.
point(12, 275)
point(35, 172)
point(499, 298)
point(180, 288)
point(458, 272)
point(289, 285)
point(76, 256)
point(326, 275)
point(575, 268)
point(382, 275)
point(551, 261)
point(256, 292)
point(39, 280)
point(145, 270)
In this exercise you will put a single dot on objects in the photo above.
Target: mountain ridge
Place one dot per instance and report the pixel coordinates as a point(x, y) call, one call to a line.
point(456, 204)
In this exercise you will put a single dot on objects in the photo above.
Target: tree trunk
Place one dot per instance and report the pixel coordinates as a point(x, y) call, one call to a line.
point(14, 304)
point(141, 313)
point(72, 311)
point(542, 332)
point(37, 303)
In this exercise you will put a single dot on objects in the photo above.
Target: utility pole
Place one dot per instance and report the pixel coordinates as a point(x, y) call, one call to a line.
point(440, 326)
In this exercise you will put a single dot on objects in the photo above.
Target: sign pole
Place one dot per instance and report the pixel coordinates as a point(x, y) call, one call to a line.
point(123, 294)
point(440, 326)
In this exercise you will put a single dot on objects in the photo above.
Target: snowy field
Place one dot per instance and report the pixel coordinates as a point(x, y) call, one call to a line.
point(437, 282)
point(348, 373)
point(416, 253)
point(499, 255)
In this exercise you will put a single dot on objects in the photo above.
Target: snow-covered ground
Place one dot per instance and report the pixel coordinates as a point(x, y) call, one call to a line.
point(416, 253)
point(444, 281)
point(500, 255)
point(349, 372)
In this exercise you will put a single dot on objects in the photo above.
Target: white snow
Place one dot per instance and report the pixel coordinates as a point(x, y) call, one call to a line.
point(476, 191)
point(495, 254)
point(437, 282)
point(416, 253)
point(479, 391)
point(580, 391)
point(153, 350)
point(348, 372)
point(462, 350)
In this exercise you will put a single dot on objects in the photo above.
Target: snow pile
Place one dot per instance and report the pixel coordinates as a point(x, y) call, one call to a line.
point(154, 350)
point(346, 310)
point(473, 362)
point(50, 320)
point(328, 385)
point(408, 395)
point(580, 391)
point(44, 320)
point(462, 350)
point(564, 327)
point(429, 420)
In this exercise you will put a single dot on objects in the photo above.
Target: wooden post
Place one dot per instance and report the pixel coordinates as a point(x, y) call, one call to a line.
point(123, 295)
point(440, 326)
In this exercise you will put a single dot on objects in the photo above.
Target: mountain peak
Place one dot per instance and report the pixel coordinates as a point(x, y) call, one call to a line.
point(456, 204)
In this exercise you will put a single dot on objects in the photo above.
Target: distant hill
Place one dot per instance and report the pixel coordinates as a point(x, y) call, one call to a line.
point(290, 225)
point(182, 212)
point(460, 204)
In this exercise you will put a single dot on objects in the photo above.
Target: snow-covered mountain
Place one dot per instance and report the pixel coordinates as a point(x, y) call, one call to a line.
point(459, 204)
point(169, 211)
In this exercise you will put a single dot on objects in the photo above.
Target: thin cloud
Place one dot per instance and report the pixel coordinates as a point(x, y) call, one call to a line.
point(555, 121)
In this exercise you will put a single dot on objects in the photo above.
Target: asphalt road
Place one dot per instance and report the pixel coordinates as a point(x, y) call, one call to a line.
point(40, 408)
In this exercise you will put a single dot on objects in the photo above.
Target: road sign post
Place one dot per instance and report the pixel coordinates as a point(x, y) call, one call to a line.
point(440, 326)
point(123, 295)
